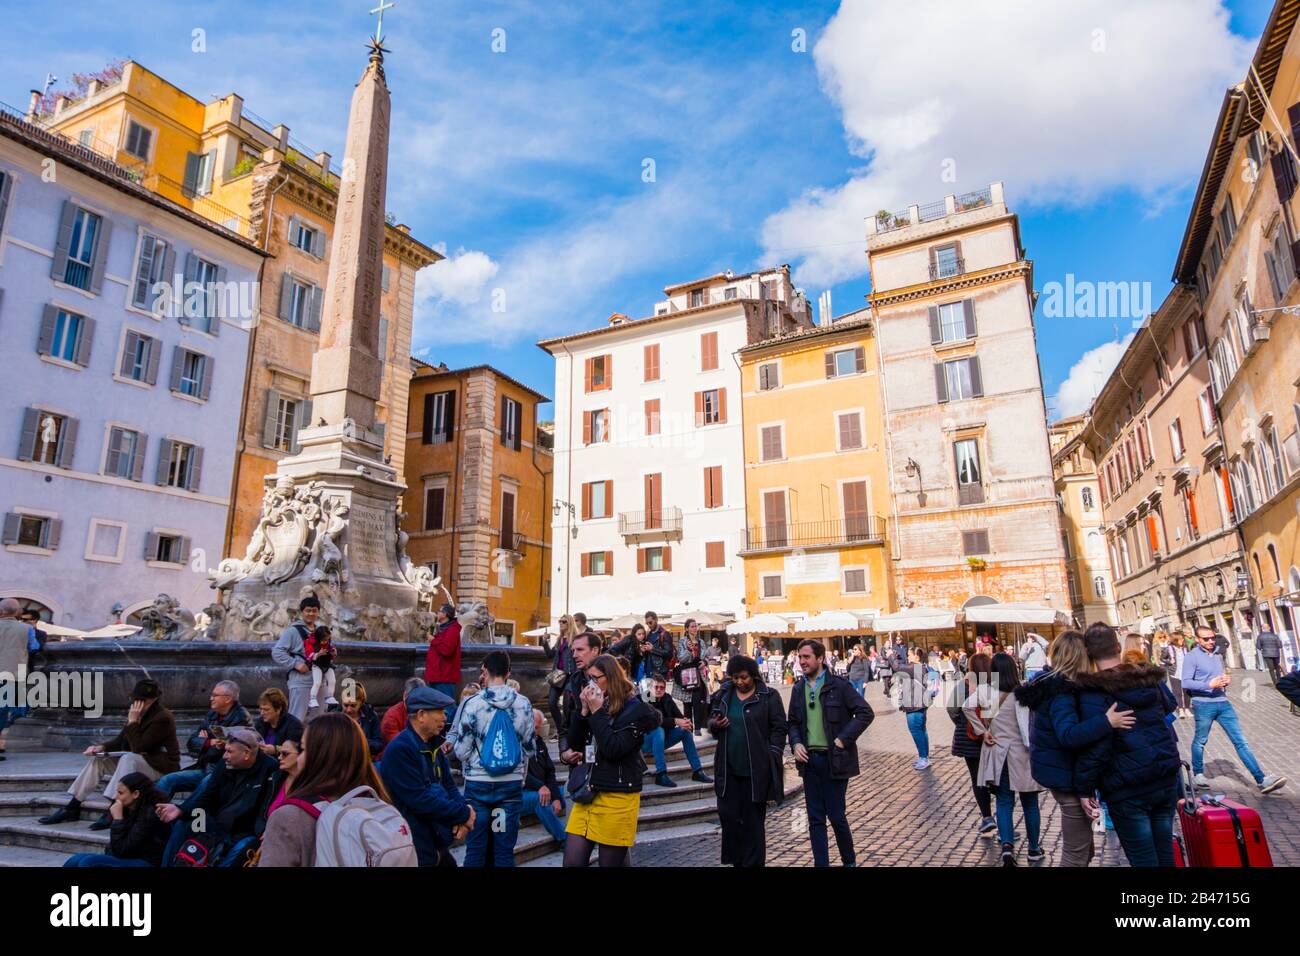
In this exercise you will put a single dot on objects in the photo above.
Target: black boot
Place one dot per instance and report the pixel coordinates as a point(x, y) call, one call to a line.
point(701, 777)
point(664, 780)
point(104, 822)
point(69, 814)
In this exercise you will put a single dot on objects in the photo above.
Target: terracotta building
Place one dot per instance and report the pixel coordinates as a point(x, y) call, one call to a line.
point(1167, 503)
point(1087, 565)
point(972, 495)
point(478, 497)
point(1240, 253)
point(225, 163)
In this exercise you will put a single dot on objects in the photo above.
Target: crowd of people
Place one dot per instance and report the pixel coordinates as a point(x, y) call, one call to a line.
point(1089, 718)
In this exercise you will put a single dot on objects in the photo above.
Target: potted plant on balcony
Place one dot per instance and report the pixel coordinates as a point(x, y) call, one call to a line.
point(882, 218)
point(977, 564)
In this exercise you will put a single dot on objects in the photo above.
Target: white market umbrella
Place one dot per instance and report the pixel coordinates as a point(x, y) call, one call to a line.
point(114, 630)
point(916, 619)
point(831, 622)
point(760, 624)
point(538, 632)
point(708, 620)
point(58, 630)
point(1015, 612)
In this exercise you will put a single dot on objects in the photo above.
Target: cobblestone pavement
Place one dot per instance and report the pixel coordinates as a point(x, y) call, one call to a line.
point(902, 817)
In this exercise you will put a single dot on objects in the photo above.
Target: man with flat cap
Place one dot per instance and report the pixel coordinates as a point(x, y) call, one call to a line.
point(418, 778)
point(147, 745)
point(442, 661)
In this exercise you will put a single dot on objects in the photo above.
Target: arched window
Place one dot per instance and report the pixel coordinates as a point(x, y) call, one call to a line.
point(1099, 585)
point(1277, 568)
point(1259, 572)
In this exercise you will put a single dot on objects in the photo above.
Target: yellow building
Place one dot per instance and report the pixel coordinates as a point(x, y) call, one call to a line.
point(815, 471)
point(227, 164)
point(1087, 567)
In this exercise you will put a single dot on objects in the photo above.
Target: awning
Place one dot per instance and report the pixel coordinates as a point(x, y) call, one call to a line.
point(58, 630)
point(538, 632)
point(1014, 612)
point(760, 624)
point(114, 630)
point(707, 620)
point(915, 619)
point(833, 622)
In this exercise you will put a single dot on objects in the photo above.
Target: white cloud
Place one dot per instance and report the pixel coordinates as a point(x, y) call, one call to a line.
point(1061, 104)
point(1086, 378)
point(460, 278)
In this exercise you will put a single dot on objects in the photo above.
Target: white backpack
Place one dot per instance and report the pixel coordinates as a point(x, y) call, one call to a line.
point(359, 829)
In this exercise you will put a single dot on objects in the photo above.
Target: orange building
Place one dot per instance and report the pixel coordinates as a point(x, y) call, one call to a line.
point(478, 498)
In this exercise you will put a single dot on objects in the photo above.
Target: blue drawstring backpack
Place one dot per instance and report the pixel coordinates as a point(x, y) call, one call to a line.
point(501, 752)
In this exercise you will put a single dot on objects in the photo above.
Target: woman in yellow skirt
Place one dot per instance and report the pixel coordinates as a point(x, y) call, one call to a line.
point(608, 732)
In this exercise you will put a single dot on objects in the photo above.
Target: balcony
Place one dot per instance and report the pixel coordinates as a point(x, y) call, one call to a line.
point(646, 525)
point(918, 214)
point(970, 494)
point(869, 529)
point(515, 543)
point(946, 270)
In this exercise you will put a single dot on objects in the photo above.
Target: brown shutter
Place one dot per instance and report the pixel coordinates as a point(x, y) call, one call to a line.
point(860, 358)
point(640, 560)
point(699, 409)
point(586, 428)
point(934, 262)
point(652, 416)
point(940, 383)
point(856, 515)
point(668, 557)
point(830, 364)
point(609, 425)
point(722, 406)
point(968, 310)
point(976, 379)
point(586, 384)
point(715, 555)
point(936, 332)
point(708, 351)
point(609, 498)
point(956, 249)
point(586, 500)
point(507, 521)
point(426, 430)
point(584, 565)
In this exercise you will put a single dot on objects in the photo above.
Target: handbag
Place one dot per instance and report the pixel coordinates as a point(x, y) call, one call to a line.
point(557, 678)
point(578, 786)
point(970, 731)
point(690, 677)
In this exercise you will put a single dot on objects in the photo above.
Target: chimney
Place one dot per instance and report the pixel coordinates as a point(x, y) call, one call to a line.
point(281, 133)
point(824, 314)
point(323, 160)
point(33, 105)
point(59, 104)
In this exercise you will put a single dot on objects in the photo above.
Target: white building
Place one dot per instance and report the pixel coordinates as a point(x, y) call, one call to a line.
point(119, 417)
point(649, 457)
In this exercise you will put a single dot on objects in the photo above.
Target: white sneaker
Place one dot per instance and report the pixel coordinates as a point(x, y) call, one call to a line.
point(313, 703)
point(1202, 782)
point(921, 764)
point(331, 699)
point(1272, 782)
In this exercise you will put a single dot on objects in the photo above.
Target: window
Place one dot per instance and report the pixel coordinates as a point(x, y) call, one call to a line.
point(595, 426)
point(508, 542)
point(204, 303)
point(283, 415)
point(855, 580)
point(974, 543)
point(1277, 567)
point(80, 257)
point(153, 266)
point(435, 507)
point(439, 418)
point(713, 486)
point(708, 351)
point(191, 375)
point(945, 262)
point(166, 548)
point(1086, 495)
point(697, 298)
point(952, 322)
point(654, 559)
point(597, 564)
point(597, 499)
point(1176, 439)
point(771, 585)
point(599, 372)
point(1227, 221)
point(845, 362)
point(47, 438)
point(970, 488)
point(1281, 266)
point(61, 335)
point(729, 293)
point(650, 361)
point(772, 445)
point(959, 380)
point(86, 138)
point(300, 303)
point(1216, 256)
point(1144, 454)
point(511, 423)
point(711, 407)
point(32, 531)
point(505, 575)
point(179, 465)
point(312, 241)
point(849, 430)
point(1275, 461)
point(198, 174)
point(125, 457)
point(652, 416)
point(1099, 585)
point(857, 513)
point(715, 554)
point(769, 376)
point(138, 139)
point(774, 524)
point(1205, 405)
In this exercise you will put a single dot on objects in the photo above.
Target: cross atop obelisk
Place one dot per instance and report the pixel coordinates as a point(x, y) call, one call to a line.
point(379, 27)
point(347, 369)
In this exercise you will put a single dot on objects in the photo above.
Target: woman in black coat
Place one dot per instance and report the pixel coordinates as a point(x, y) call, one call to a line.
point(968, 747)
point(136, 838)
point(748, 721)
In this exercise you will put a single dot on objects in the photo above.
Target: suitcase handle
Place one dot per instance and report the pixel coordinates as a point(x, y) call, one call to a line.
point(1190, 799)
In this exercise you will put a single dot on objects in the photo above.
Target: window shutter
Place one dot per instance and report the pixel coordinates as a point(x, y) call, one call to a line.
point(191, 276)
point(168, 273)
point(214, 317)
point(112, 460)
point(722, 406)
point(155, 356)
point(183, 547)
point(934, 262)
point(304, 421)
point(51, 533)
point(85, 336)
point(27, 437)
point(6, 187)
point(286, 297)
point(193, 165)
point(293, 230)
point(318, 247)
point(699, 409)
point(178, 366)
point(940, 383)
point(586, 500)
point(640, 560)
point(144, 272)
point(519, 426)
point(45, 341)
point(504, 408)
point(1283, 175)
point(63, 240)
point(586, 383)
point(609, 371)
point(860, 358)
point(384, 275)
point(151, 546)
point(976, 379)
point(830, 364)
point(936, 330)
point(129, 345)
point(584, 566)
point(101, 254)
point(164, 462)
point(205, 381)
point(586, 427)
point(668, 557)
point(426, 428)
point(383, 339)
point(968, 309)
point(67, 443)
point(12, 523)
point(449, 416)
point(609, 563)
point(272, 412)
point(137, 458)
point(314, 299)
point(708, 487)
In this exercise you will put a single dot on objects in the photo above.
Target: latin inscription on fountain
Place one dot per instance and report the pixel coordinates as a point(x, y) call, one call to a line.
point(370, 535)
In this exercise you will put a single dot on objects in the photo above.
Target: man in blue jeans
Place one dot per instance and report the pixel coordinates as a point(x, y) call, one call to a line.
point(543, 796)
point(1206, 682)
point(673, 729)
point(913, 700)
point(495, 792)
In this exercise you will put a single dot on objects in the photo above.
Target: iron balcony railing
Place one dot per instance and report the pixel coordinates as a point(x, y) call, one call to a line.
point(660, 521)
point(947, 269)
point(975, 199)
point(972, 494)
point(863, 530)
point(514, 542)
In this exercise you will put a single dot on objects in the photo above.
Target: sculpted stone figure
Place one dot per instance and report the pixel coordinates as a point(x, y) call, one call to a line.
point(166, 620)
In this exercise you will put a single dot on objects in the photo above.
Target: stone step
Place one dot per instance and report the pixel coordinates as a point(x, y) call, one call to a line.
point(12, 857)
point(39, 803)
point(65, 838)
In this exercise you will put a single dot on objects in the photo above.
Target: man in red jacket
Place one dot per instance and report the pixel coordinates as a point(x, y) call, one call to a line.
point(442, 662)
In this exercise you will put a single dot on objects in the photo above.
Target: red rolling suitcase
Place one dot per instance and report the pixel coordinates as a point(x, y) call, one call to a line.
point(1218, 833)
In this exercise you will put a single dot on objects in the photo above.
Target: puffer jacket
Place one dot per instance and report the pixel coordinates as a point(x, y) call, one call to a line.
point(1056, 734)
point(1128, 764)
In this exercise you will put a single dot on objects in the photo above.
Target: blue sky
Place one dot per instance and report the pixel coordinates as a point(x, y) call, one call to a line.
point(773, 130)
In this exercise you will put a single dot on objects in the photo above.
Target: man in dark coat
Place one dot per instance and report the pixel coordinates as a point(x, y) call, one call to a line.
point(1269, 646)
point(826, 718)
point(206, 745)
